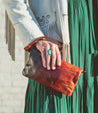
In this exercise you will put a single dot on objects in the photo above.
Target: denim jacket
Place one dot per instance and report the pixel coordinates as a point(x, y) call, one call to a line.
point(37, 19)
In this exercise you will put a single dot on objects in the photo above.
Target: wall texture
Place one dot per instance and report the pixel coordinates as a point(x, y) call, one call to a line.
point(12, 83)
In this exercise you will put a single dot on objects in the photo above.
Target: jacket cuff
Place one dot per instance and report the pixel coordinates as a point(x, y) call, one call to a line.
point(32, 44)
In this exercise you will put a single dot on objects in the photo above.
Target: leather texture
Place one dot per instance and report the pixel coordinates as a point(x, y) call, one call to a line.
point(63, 79)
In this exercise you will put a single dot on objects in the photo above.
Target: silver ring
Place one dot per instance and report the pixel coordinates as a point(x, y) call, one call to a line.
point(49, 52)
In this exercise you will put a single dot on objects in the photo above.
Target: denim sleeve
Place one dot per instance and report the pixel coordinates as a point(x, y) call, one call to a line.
point(23, 20)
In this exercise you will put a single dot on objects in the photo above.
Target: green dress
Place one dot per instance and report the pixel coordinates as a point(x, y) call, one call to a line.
point(83, 33)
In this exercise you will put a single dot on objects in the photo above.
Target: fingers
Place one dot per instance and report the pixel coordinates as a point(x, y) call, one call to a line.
point(53, 57)
point(47, 57)
point(43, 47)
point(58, 56)
point(43, 56)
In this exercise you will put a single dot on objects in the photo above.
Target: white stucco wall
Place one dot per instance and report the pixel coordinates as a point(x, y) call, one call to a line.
point(12, 83)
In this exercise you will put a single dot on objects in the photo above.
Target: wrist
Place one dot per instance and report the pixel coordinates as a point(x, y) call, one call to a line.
point(33, 44)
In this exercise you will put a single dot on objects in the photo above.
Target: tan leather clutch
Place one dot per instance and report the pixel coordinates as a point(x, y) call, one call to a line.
point(63, 79)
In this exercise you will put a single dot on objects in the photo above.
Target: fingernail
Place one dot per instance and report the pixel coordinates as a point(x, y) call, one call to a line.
point(59, 64)
point(48, 68)
point(53, 67)
point(44, 65)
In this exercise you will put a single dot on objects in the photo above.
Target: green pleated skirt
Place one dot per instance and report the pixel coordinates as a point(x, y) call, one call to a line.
point(41, 99)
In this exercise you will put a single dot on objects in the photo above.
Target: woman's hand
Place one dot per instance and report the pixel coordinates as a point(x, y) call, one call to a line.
point(43, 46)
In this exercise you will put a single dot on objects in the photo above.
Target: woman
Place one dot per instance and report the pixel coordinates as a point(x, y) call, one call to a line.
point(43, 21)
